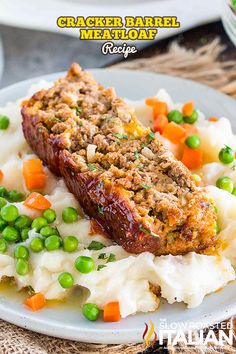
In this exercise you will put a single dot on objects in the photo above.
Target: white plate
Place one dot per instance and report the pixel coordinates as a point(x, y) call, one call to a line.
point(32, 14)
point(71, 324)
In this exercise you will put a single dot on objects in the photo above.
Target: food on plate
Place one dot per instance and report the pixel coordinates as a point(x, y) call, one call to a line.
point(123, 177)
point(50, 248)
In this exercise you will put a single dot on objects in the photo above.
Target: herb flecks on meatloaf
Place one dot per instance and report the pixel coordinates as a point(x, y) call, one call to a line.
point(123, 177)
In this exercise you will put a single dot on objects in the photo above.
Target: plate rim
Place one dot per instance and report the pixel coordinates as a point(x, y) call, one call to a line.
point(58, 74)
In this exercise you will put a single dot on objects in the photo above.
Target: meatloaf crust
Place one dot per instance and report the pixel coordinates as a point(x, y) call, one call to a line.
point(122, 176)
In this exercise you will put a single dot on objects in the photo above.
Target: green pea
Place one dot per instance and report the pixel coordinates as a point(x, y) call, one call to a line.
point(191, 119)
point(25, 233)
point(90, 311)
point(50, 215)
point(15, 196)
point(52, 243)
point(3, 224)
point(38, 223)
point(225, 183)
point(66, 280)
point(70, 244)
point(3, 245)
point(226, 155)
point(22, 222)
point(84, 264)
point(36, 244)
point(11, 234)
point(234, 191)
point(3, 191)
point(22, 266)
point(9, 213)
point(21, 252)
point(3, 202)
point(69, 215)
point(175, 116)
point(4, 122)
point(47, 231)
point(193, 141)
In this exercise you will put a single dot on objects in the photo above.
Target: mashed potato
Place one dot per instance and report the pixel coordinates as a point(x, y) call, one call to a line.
point(129, 279)
point(215, 136)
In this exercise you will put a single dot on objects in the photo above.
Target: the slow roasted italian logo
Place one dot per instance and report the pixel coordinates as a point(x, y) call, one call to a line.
point(149, 334)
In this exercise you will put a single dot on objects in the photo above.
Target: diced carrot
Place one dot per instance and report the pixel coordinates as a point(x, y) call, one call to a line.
point(34, 165)
point(159, 123)
point(37, 201)
point(174, 132)
point(1, 175)
point(36, 302)
point(34, 175)
point(150, 101)
point(111, 312)
point(213, 119)
point(35, 181)
point(190, 129)
point(188, 109)
point(192, 158)
point(160, 108)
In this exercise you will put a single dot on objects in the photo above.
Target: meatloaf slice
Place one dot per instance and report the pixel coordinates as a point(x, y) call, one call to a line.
point(123, 177)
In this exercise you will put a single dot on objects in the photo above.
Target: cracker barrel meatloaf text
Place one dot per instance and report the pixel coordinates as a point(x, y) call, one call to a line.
point(122, 176)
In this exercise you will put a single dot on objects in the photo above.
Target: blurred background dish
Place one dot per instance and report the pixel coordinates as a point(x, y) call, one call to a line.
point(229, 18)
point(42, 14)
point(1, 58)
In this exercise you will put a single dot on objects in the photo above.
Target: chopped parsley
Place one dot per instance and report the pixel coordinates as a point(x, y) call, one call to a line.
point(146, 187)
point(100, 266)
point(148, 232)
point(136, 155)
point(95, 245)
point(92, 167)
point(111, 258)
point(120, 136)
point(140, 166)
point(151, 136)
point(102, 256)
point(78, 109)
point(100, 209)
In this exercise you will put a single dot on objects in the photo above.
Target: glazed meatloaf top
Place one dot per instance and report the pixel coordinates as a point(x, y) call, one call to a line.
point(96, 136)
